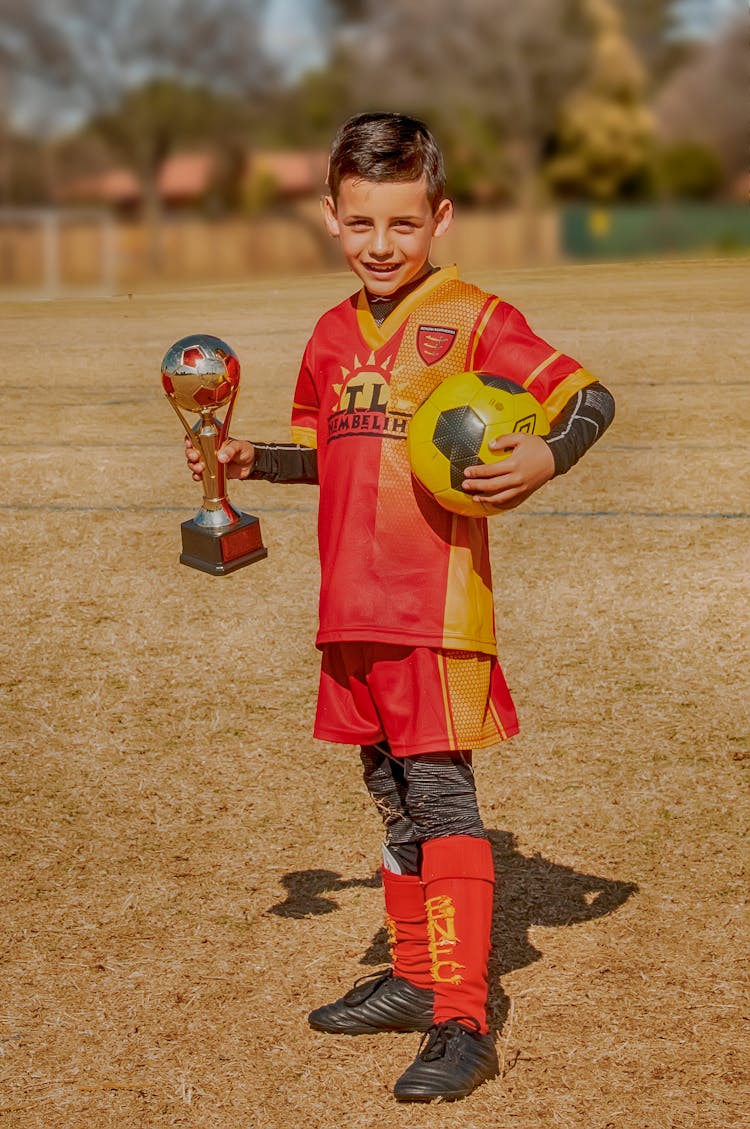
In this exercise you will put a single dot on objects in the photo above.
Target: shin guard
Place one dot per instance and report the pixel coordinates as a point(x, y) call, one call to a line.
point(458, 876)
point(406, 919)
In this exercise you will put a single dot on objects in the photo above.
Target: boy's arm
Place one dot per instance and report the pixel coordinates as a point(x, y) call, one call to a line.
point(284, 462)
point(585, 417)
point(276, 462)
point(535, 460)
point(583, 420)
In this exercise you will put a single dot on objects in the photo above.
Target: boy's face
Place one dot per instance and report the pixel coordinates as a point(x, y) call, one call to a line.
point(385, 229)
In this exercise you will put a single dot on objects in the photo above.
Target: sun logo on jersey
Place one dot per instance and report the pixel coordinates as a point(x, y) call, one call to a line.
point(363, 390)
point(361, 401)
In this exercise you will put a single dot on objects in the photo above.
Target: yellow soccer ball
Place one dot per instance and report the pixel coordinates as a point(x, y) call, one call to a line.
point(452, 429)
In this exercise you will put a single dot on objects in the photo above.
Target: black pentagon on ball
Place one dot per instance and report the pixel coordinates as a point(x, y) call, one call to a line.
point(500, 382)
point(458, 435)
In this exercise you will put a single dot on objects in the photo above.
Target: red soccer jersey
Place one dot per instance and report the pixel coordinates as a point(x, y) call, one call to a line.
point(395, 566)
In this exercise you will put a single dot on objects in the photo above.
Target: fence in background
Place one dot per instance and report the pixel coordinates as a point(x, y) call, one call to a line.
point(43, 249)
point(589, 232)
point(48, 252)
point(45, 252)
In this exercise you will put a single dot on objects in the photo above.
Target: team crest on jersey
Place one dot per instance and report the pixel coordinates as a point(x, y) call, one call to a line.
point(433, 342)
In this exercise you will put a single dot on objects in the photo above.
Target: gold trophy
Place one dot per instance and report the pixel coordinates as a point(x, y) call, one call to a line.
point(201, 373)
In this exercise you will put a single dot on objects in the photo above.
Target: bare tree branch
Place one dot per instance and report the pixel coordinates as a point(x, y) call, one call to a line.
point(705, 100)
point(84, 55)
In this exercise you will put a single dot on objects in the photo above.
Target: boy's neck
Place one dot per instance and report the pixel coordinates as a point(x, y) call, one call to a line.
point(381, 306)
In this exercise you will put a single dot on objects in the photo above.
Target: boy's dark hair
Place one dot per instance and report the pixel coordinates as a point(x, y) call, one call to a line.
point(382, 147)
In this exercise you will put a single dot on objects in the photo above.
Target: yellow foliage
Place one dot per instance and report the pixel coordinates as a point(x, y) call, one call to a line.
point(605, 129)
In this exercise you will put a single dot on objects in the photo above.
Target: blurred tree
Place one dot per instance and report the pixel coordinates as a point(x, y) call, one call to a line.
point(705, 101)
point(72, 59)
point(489, 78)
point(24, 171)
point(305, 114)
point(162, 115)
point(478, 169)
point(655, 29)
point(687, 170)
point(335, 14)
point(81, 56)
point(605, 131)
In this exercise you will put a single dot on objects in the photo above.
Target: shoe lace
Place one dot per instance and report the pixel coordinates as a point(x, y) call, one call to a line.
point(366, 986)
point(435, 1041)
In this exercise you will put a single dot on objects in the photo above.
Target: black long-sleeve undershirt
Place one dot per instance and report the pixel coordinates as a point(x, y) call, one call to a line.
point(583, 420)
point(285, 462)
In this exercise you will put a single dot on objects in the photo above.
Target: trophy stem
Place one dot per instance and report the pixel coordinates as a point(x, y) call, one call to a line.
point(205, 437)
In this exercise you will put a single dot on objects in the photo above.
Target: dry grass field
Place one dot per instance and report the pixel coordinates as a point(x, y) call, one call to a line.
point(177, 892)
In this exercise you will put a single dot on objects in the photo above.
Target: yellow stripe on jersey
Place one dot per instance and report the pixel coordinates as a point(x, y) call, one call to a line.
point(468, 622)
point(449, 728)
point(305, 436)
point(480, 330)
point(555, 402)
point(540, 368)
point(497, 720)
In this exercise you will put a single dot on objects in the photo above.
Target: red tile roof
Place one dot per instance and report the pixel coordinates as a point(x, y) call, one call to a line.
point(188, 176)
point(117, 186)
point(294, 173)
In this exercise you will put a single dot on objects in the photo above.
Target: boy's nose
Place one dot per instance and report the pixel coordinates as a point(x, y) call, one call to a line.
point(380, 244)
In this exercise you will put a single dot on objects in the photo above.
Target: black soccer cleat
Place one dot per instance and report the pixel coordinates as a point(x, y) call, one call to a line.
point(380, 1002)
point(452, 1061)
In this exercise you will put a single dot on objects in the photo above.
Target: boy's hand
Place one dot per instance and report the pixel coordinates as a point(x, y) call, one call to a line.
point(238, 455)
point(511, 481)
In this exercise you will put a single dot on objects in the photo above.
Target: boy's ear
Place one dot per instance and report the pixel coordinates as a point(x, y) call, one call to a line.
point(330, 218)
point(442, 218)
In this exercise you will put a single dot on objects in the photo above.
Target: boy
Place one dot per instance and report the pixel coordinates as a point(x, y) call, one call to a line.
point(409, 666)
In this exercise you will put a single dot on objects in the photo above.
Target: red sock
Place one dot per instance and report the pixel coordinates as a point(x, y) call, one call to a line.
point(458, 876)
point(406, 919)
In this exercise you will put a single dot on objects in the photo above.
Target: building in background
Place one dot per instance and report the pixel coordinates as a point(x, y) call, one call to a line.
point(204, 181)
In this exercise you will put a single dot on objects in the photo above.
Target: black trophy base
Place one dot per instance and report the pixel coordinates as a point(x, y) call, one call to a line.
point(220, 551)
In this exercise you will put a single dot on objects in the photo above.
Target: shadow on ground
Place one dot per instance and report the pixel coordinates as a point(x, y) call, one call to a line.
point(531, 890)
point(307, 890)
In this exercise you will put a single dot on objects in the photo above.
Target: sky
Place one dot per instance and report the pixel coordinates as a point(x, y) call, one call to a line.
point(702, 18)
point(291, 36)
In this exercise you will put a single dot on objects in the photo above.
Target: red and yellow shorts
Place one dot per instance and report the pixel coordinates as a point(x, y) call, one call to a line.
point(420, 699)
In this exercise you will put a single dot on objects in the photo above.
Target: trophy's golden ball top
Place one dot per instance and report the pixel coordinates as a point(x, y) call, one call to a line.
point(200, 372)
